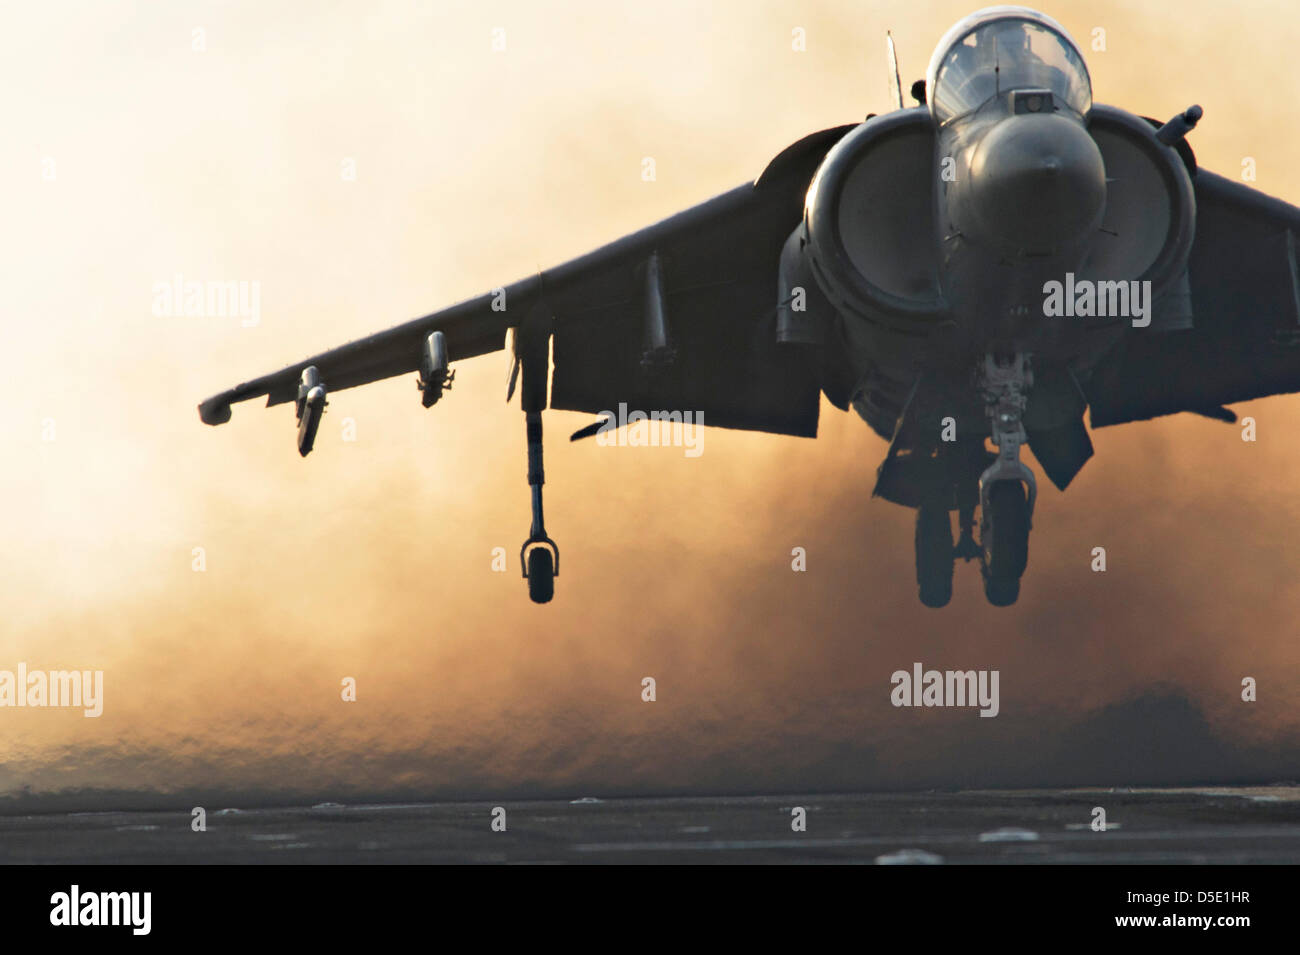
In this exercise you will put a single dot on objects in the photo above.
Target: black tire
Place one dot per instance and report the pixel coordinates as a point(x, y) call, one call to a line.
point(1005, 542)
point(541, 575)
point(1006, 538)
point(934, 555)
point(1001, 591)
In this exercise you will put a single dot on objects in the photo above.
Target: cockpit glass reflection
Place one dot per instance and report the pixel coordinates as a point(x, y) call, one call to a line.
point(1009, 54)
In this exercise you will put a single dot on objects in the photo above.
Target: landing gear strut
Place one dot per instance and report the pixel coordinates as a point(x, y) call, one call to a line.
point(1006, 510)
point(539, 558)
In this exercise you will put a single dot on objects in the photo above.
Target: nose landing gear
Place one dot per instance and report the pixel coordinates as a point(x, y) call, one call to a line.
point(1005, 540)
point(1006, 509)
point(970, 476)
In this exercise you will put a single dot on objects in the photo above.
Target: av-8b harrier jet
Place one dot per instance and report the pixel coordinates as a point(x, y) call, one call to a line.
point(970, 275)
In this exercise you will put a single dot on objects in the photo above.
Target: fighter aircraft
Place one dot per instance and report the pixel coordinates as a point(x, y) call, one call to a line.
point(970, 275)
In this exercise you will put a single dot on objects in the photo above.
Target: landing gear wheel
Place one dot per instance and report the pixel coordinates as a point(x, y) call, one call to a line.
point(1001, 591)
point(1005, 539)
point(934, 555)
point(541, 575)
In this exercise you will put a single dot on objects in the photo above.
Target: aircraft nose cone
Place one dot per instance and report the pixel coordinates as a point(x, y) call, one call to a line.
point(1037, 182)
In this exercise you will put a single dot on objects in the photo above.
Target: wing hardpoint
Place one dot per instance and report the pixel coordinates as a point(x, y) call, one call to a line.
point(1245, 298)
point(714, 270)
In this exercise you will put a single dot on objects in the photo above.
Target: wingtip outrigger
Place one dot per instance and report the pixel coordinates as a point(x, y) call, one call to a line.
point(539, 556)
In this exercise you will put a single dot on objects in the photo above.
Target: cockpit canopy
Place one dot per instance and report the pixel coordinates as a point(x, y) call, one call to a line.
point(1000, 49)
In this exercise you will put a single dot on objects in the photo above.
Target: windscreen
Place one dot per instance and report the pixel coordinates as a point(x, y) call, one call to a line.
point(1009, 54)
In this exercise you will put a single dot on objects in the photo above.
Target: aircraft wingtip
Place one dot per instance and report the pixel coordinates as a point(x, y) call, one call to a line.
point(214, 411)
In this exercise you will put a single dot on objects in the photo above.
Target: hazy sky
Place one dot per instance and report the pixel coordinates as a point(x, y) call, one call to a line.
point(372, 558)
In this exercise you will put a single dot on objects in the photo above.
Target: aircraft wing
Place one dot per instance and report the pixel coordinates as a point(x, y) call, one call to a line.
point(718, 268)
point(1245, 342)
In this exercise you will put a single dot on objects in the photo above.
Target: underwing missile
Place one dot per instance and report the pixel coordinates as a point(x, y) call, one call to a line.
point(434, 376)
point(311, 405)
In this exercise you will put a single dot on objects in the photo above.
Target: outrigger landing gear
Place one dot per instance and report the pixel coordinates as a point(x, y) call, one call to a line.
point(1008, 489)
point(539, 558)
